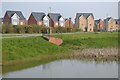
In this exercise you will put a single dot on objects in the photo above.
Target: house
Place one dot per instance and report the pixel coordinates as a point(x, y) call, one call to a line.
point(69, 23)
point(110, 24)
point(38, 18)
point(84, 21)
point(100, 25)
point(14, 18)
point(117, 23)
point(1, 21)
point(56, 19)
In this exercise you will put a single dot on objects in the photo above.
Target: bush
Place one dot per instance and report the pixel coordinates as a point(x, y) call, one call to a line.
point(7, 28)
point(36, 29)
point(78, 30)
point(60, 29)
point(19, 28)
point(68, 29)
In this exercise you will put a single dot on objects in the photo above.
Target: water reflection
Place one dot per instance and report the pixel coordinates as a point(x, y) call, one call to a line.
point(69, 69)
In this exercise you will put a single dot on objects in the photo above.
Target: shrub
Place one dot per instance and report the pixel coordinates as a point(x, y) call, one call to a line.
point(68, 29)
point(29, 29)
point(19, 28)
point(7, 28)
point(60, 29)
point(78, 30)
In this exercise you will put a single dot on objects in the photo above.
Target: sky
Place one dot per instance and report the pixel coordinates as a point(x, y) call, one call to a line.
point(66, 9)
point(119, 10)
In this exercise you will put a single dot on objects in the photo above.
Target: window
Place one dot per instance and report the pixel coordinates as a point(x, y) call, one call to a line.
point(21, 23)
point(15, 21)
point(90, 24)
point(46, 22)
point(56, 24)
point(39, 23)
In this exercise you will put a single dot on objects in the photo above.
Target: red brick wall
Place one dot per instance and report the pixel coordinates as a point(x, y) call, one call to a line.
point(56, 41)
point(54, 24)
point(51, 23)
point(24, 22)
point(100, 25)
point(39, 22)
point(31, 20)
point(6, 19)
point(69, 23)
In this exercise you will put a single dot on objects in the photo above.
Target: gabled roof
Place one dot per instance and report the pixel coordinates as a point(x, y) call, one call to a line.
point(97, 21)
point(19, 13)
point(54, 16)
point(117, 20)
point(86, 15)
point(38, 15)
point(66, 19)
point(109, 18)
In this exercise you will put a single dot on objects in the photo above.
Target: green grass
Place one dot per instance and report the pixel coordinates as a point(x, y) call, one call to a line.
point(89, 40)
point(19, 48)
point(24, 52)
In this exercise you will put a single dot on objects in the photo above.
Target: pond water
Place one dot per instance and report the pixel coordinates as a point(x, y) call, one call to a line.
point(68, 69)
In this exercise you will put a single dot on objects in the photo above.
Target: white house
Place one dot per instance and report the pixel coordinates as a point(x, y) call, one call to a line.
point(15, 19)
point(61, 21)
point(46, 21)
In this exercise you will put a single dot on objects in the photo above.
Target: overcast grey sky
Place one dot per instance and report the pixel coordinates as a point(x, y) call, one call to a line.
point(67, 9)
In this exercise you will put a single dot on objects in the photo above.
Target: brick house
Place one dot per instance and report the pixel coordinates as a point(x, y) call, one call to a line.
point(84, 21)
point(38, 18)
point(100, 25)
point(56, 19)
point(14, 18)
point(69, 23)
point(110, 24)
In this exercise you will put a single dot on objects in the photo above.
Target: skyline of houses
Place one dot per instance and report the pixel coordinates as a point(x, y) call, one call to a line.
point(83, 21)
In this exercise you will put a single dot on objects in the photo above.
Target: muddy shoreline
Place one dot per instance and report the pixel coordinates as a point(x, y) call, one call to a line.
point(97, 54)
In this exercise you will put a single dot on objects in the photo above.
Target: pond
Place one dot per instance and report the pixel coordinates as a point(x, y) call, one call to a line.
point(68, 69)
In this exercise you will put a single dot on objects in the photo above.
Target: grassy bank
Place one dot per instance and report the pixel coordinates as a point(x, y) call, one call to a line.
point(21, 53)
point(90, 40)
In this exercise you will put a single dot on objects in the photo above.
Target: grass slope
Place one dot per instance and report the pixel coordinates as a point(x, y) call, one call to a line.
point(89, 40)
point(29, 51)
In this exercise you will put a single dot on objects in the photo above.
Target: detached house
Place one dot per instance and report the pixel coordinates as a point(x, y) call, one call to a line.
point(100, 25)
point(85, 21)
point(117, 22)
point(38, 18)
point(1, 21)
point(110, 24)
point(56, 20)
point(69, 23)
point(14, 18)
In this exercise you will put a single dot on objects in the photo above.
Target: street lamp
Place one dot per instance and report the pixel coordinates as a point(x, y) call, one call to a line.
point(50, 22)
